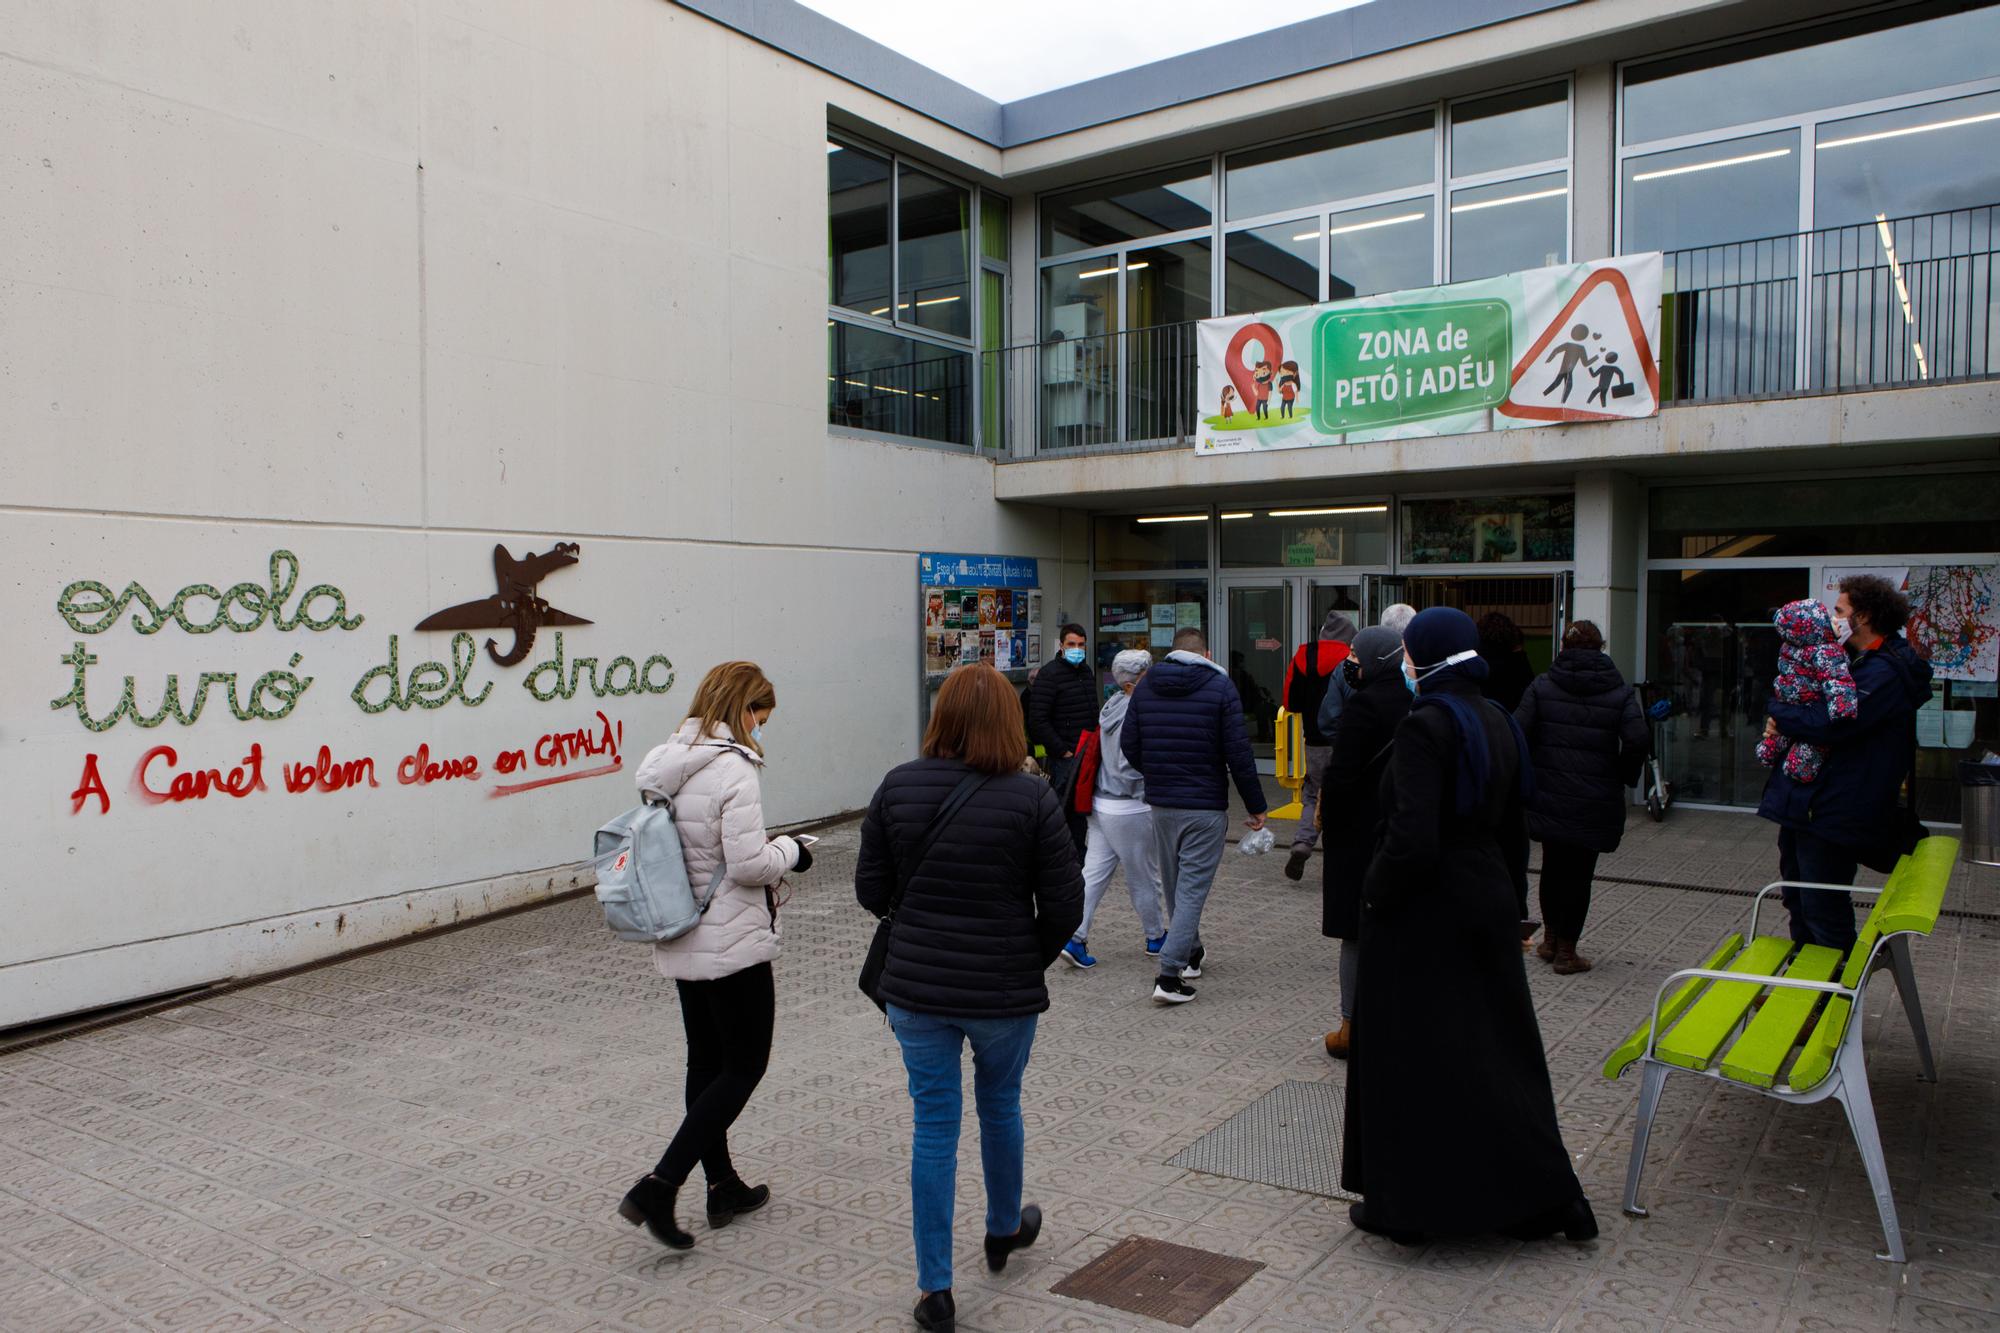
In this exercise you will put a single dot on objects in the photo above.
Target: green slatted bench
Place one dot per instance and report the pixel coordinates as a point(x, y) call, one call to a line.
point(1713, 1025)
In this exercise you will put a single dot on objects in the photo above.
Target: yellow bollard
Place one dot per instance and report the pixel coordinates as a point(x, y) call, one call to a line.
point(1289, 751)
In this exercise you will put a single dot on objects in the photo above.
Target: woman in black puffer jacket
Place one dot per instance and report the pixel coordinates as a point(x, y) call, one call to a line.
point(987, 909)
point(1585, 733)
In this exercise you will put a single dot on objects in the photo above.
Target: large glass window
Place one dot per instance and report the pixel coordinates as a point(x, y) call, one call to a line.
point(934, 222)
point(1920, 159)
point(1346, 164)
point(857, 205)
point(1272, 267)
point(1517, 129)
point(1307, 536)
point(1734, 190)
point(1489, 529)
point(1387, 248)
point(883, 382)
point(1178, 199)
point(1169, 539)
point(1837, 516)
point(995, 223)
point(1808, 71)
point(1510, 226)
point(1166, 289)
point(1144, 613)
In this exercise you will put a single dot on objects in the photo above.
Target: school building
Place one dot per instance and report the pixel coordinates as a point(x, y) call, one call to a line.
point(407, 402)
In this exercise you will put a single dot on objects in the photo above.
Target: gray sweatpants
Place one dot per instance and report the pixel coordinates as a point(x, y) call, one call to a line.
point(1191, 843)
point(1317, 757)
point(1128, 842)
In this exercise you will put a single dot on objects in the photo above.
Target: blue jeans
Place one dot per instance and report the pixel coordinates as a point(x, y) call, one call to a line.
point(1819, 916)
point(931, 1053)
point(1191, 843)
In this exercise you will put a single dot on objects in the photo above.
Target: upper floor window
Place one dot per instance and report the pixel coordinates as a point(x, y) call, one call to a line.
point(1154, 204)
point(902, 303)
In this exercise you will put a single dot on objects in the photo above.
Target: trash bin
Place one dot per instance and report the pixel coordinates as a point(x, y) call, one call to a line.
point(1979, 796)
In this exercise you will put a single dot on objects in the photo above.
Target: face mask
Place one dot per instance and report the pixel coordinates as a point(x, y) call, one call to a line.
point(1843, 630)
point(1073, 656)
point(757, 734)
point(1409, 681)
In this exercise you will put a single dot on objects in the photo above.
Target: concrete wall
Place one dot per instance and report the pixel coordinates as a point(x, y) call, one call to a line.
point(380, 285)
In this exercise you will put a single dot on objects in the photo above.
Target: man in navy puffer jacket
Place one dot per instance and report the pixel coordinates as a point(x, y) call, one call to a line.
point(1184, 733)
point(1852, 811)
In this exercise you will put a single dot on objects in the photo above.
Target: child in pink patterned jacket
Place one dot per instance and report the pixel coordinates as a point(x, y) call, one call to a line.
point(1812, 667)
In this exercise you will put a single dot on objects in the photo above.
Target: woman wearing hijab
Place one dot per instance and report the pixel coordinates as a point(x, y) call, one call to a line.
point(1451, 1122)
point(1377, 702)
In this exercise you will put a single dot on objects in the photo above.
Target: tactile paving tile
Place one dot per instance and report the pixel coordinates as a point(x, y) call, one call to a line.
point(1175, 1284)
point(1289, 1137)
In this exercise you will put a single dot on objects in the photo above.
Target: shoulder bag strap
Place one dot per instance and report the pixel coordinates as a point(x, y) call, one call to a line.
point(907, 871)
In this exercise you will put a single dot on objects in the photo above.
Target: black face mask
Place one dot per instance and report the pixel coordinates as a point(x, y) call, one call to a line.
point(1351, 670)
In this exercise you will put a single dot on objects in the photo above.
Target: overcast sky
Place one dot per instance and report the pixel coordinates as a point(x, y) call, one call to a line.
point(1010, 48)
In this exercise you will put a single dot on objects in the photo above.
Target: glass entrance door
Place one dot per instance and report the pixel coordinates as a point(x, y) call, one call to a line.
point(1264, 621)
point(1257, 641)
point(1530, 601)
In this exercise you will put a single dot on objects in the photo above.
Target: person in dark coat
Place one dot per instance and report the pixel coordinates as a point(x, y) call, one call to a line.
point(1851, 813)
point(1313, 669)
point(986, 910)
point(1451, 1122)
point(1585, 733)
point(1061, 707)
point(1508, 670)
point(1349, 810)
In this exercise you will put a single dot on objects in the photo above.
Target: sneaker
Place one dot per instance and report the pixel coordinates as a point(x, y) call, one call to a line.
point(1172, 990)
point(1077, 956)
point(1192, 972)
point(1153, 946)
point(1295, 864)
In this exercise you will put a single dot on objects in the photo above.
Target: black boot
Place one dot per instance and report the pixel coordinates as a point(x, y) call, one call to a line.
point(937, 1312)
point(732, 1198)
point(999, 1247)
point(651, 1201)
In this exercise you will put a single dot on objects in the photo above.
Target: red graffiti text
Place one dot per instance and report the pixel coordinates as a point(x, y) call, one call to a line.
point(195, 784)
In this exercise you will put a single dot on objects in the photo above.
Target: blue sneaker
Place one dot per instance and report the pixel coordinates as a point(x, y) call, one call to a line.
point(1153, 946)
point(1076, 955)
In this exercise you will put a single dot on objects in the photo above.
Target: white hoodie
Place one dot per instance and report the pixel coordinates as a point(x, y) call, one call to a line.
point(719, 813)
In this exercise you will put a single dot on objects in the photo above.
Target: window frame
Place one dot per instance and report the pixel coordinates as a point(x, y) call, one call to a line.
point(894, 325)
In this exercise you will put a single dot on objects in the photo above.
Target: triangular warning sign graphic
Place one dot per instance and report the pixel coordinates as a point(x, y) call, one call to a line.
point(1606, 372)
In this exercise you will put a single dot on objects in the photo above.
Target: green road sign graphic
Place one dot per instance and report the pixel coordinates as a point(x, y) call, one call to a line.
point(1388, 364)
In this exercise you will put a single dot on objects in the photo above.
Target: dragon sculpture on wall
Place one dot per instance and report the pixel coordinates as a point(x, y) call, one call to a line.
point(515, 606)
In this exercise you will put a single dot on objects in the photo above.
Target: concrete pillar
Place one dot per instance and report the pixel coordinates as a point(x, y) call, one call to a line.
point(1610, 531)
point(1593, 179)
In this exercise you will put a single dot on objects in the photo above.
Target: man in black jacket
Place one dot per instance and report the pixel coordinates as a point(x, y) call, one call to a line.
point(1062, 706)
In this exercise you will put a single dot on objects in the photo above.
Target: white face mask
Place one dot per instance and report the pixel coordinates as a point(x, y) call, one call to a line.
point(1843, 629)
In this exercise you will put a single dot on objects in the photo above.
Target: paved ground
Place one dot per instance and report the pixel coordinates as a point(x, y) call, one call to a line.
point(436, 1136)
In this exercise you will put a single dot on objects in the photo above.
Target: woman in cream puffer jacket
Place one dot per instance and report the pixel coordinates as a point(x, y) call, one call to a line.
point(721, 968)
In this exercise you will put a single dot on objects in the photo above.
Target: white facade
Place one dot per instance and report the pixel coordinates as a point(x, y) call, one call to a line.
point(382, 285)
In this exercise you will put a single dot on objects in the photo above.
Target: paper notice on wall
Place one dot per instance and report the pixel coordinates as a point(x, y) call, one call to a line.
point(1003, 651)
point(1163, 613)
point(1163, 636)
point(1187, 615)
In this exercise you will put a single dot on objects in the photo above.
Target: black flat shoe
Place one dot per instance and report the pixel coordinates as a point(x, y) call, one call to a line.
point(937, 1312)
point(1358, 1215)
point(651, 1201)
point(731, 1199)
point(999, 1247)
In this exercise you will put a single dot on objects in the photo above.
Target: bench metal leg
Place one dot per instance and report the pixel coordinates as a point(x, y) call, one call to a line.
point(1653, 1078)
point(1906, 986)
point(1860, 1107)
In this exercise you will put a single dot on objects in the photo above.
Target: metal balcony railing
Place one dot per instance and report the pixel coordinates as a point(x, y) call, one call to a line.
point(1883, 304)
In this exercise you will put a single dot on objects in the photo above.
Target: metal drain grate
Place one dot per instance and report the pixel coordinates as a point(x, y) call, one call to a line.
point(1156, 1278)
point(1289, 1137)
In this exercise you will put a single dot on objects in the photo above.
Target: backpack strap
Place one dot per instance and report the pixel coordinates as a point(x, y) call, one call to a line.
point(907, 871)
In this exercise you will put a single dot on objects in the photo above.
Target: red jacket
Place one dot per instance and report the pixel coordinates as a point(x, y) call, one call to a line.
point(1307, 679)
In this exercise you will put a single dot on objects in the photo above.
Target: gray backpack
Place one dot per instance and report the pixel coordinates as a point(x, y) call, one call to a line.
point(642, 878)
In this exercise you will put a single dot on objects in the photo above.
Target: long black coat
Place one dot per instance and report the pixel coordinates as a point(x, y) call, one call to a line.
point(1349, 795)
point(1062, 706)
point(991, 905)
point(1508, 672)
point(1577, 716)
point(1451, 1123)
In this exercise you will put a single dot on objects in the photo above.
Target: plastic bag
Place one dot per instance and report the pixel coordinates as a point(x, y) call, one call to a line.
point(1257, 842)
